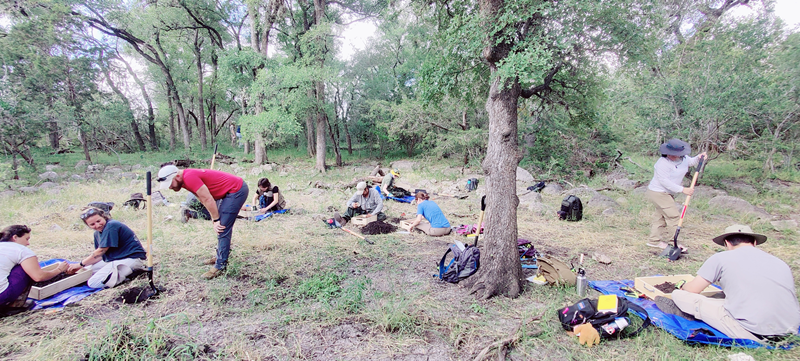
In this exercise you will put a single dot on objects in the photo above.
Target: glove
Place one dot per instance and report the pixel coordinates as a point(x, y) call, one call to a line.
point(680, 284)
point(587, 334)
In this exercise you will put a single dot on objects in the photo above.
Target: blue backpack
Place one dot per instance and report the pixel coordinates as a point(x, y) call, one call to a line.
point(465, 262)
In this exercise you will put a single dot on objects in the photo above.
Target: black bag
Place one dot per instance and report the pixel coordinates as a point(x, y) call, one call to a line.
point(585, 311)
point(571, 209)
point(472, 184)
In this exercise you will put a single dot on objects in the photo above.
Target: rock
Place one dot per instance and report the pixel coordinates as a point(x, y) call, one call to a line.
point(167, 218)
point(583, 192)
point(47, 185)
point(609, 211)
point(737, 206)
point(267, 167)
point(316, 192)
point(128, 175)
point(54, 191)
point(641, 189)
point(28, 189)
point(76, 177)
point(529, 199)
point(739, 187)
point(49, 176)
point(541, 209)
point(95, 168)
point(136, 167)
point(741, 356)
point(81, 166)
point(783, 225)
point(601, 201)
point(552, 188)
point(601, 258)
point(51, 167)
point(114, 170)
point(7, 194)
point(135, 182)
point(524, 176)
point(708, 191)
point(256, 171)
point(625, 184)
point(621, 200)
point(403, 165)
point(55, 228)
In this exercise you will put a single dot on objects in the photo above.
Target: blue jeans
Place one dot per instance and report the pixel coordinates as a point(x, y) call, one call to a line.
point(228, 207)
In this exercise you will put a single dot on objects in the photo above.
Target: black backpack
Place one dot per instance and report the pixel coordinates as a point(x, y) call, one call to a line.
point(472, 184)
point(571, 209)
point(464, 263)
point(585, 311)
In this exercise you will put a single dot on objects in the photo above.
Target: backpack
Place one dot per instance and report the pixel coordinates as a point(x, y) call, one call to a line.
point(571, 209)
point(585, 311)
point(472, 184)
point(465, 263)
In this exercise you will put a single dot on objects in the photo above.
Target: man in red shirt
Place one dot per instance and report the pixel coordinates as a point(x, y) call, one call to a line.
point(222, 194)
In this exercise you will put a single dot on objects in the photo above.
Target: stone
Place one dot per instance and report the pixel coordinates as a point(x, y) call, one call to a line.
point(552, 188)
point(76, 177)
point(135, 182)
point(55, 228)
point(403, 165)
point(315, 192)
point(640, 189)
point(47, 185)
point(28, 189)
point(601, 201)
point(622, 200)
point(529, 199)
point(7, 194)
point(708, 191)
point(738, 206)
point(71, 207)
point(741, 356)
point(609, 211)
point(54, 191)
point(784, 225)
point(267, 167)
point(51, 167)
point(625, 184)
point(95, 168)
point(114, 170)
point(739, 187)
point(524, 176)
point(136, 167)
point(601, 258)
point(49, 176)
point(583, 192)
point(256, 171)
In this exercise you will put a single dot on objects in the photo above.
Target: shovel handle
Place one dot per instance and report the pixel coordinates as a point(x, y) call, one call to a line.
point(358, 235)
point(149, 201)
point(214, 157)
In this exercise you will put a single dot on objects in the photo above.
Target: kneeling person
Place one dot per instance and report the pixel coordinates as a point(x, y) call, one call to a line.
point(365, 201)
point(117, 254)
point(760, 300)
point(437, 224)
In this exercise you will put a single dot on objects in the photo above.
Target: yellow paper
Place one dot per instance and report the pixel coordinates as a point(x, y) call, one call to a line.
point(607, 304)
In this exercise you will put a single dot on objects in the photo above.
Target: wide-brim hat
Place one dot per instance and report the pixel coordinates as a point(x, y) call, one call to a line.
point(394, 172)
point(137, 197)
point(165, 175)
point(675, 147)
point(739, 229)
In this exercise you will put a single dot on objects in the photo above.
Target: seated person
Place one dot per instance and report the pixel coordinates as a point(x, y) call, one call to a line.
point(19, 267)
point(435, 223)
point(268, 197)
point(760, 300)
point(365, 201)
point(117, 254)
point(193, 209)
point(389, 189)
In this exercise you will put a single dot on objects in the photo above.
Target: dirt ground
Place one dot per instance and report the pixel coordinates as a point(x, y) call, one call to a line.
point(296, 290)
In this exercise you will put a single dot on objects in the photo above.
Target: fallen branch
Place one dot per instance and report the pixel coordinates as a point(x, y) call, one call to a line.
point(631, 160)
point(501, 345)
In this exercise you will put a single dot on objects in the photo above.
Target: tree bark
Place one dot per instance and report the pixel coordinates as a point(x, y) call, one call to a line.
point(501, 271)
point(310, 127)
point(198, 42)
point(134, 126)
point(322, 118)
point(172, 133)
point(151, 119)
point(212, 101)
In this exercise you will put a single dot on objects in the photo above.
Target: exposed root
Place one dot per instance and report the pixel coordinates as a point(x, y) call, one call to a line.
point(503, 345)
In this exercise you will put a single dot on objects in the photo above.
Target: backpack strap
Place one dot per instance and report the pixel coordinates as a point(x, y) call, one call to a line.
point(647, 321)
point(442, 268)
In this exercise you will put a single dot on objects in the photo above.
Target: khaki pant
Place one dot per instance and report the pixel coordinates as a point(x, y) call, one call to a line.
point(110, 274)
point(712, 311)
point(425, 226)
point(666, 216)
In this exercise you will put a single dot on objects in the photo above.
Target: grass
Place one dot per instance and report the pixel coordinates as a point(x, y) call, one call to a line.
point(297, 290)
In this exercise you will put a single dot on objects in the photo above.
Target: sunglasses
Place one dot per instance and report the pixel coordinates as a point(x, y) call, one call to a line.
point(91, 212)
point(161, 179)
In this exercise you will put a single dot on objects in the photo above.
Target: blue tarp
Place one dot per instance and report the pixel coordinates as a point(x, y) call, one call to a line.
point(678, 326)
point(406, 199)
point(269, 214)
point(65, 297)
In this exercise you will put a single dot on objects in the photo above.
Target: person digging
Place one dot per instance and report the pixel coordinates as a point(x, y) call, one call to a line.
point(760, 301)
point(221, 193)
point(364, 201)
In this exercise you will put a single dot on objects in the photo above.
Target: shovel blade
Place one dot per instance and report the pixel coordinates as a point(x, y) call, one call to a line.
point(674, 253)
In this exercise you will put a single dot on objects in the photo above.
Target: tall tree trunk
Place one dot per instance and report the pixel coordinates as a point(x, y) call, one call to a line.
point(73, 98)
point(333, 130)
point(14, 164)
point(172, 133)
point(212, 100)
point(501, 271)
point(54, 134)
point(134, 126)
point(176, 98)
point(310, 128)
point(201, 104)
point(322, 118)
point(151, 119)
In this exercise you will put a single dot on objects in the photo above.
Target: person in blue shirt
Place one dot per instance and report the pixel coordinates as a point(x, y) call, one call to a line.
point(117, 254)
point(430, 218)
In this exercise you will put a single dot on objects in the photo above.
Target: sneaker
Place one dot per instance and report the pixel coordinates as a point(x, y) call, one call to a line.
point(212, 273)
point(211, 261)
point(667, 305)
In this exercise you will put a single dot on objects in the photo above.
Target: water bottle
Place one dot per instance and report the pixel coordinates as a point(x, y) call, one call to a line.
point(581, 284)
point(613, 328)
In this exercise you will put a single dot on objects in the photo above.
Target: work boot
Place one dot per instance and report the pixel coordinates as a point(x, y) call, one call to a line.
point(667, 305)
point(212, 273)
point(185, 215)
point(211, 261)
point(339, 218)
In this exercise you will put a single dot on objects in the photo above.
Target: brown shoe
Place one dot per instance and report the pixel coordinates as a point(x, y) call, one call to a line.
point(212, 273)
point(211, 261)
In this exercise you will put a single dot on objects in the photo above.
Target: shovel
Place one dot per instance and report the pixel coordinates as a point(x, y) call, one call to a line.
point(480, 220)
point(213, 157)
point(136, 294)
point(673, 252)
point(358, 235)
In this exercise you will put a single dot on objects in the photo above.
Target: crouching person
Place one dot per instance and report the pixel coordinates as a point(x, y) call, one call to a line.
point(366, 200)
point(760, 302)
point(117, 251)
